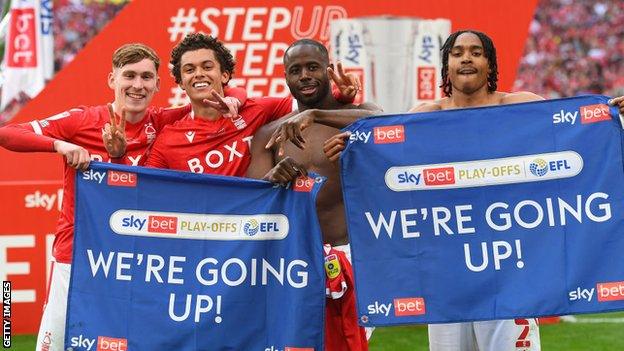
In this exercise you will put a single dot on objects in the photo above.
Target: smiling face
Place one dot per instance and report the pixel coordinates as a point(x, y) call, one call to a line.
point(134, 85)
point(468, 68)
point(200, 74)
point(306, 74)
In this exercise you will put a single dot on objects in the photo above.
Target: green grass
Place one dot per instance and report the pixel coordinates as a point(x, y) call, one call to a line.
point(554, 337)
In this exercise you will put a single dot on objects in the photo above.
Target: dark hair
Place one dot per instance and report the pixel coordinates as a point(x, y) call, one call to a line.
point(133, 53)
point(197, 41)
point(314, 43)
point(489, 51)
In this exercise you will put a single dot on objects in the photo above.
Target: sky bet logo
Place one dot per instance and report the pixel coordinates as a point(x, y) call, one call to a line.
point(155, 224)
point(407, 177)
point(115, 178)
point(588, 114)
point(409, 306)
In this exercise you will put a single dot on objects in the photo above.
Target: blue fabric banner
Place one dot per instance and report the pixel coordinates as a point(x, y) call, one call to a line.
point(487, 213)
point(165, 260)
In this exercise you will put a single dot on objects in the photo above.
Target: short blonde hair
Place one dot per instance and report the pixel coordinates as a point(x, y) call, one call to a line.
point(133, 53)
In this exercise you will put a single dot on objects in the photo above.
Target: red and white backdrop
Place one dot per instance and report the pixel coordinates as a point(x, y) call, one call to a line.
point(258, 32)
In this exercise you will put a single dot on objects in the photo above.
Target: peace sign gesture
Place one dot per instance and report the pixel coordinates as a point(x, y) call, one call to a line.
point(114, 133)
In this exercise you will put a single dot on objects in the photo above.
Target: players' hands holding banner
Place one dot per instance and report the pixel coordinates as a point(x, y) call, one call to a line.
point(76, 156)
point(114, 133)
point(619, 102)
point(334, 146)
point(285, 171)
point(226, 105)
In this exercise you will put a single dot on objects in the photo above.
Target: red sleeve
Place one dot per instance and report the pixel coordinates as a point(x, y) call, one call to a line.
point(340, 98)
point(166, 116)
point(237, 93)
point(155, 156)
point(276, 108)
point(39, 136)
point(335, 283)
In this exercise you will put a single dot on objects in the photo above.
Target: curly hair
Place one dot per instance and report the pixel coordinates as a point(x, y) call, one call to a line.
point(197, 41)
point(489, 51)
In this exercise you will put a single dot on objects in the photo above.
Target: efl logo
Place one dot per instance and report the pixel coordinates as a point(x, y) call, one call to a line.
point(426, 83)
point(106, 343)
point(389, 134)
point(439, 176)
point(116, 178)
point(595, 113)
point(303, 184)
point(613, 291)
point(162, 224)
point(358, 72)
point(22, 44)
point(409, 306)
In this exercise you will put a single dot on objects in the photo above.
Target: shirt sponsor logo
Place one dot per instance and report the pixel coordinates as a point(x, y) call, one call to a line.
point(518, 169)
point(200, 226)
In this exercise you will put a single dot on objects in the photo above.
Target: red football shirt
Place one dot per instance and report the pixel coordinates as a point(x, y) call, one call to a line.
point(216, 147)
point(342, 332)
point(83, 126)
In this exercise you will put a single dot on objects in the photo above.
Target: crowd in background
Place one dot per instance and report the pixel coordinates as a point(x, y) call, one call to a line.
point(573, 47)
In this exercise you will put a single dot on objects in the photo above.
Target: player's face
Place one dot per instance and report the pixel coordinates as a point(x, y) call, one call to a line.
point(468, 68)
point(201, 74)
point(306, 74)
point(134, 85)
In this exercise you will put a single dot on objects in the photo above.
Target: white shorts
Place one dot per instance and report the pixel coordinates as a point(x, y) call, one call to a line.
point(52, 329)
point(347, 251)
point(499, 335)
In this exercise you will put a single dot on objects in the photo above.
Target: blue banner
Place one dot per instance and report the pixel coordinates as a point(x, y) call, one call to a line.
point(487, 213)
point(165, 260)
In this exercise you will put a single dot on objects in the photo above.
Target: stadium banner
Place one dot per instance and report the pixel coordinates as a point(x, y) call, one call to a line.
point(29, 55)
point(180, 261)
point(487, 213)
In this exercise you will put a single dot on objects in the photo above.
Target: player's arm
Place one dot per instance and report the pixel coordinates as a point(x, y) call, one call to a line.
point(49, 135)
point(291, 128)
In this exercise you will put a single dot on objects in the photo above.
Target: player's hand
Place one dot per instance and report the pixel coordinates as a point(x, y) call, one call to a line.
point(290, 129)
point(347, 83)
point(334, 146)
point(114, 133)
point(227, 106)
point(619, 102)
point(285, 171)
point(76, 156)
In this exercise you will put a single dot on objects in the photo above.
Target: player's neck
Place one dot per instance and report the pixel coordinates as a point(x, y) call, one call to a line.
point(327, 103)
point(460, 99)
point(204, 112)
